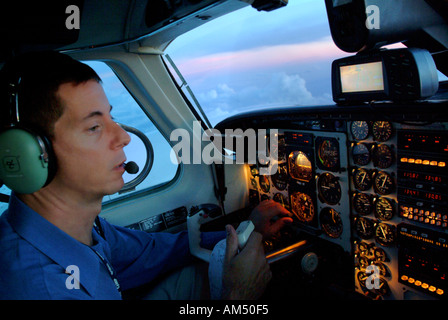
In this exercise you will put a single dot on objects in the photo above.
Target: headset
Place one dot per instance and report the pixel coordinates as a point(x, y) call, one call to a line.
point(27, 162)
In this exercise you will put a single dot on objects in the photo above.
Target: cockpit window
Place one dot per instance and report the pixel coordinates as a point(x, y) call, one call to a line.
point(250, 60)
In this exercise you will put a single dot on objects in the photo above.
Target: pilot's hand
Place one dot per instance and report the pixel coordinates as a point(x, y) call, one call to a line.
point(247, 273)
point(269, 217)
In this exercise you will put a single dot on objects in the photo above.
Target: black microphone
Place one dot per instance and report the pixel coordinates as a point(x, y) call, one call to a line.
point(131, 167)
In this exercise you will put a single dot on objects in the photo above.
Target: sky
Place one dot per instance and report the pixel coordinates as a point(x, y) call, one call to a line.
point(250, 60)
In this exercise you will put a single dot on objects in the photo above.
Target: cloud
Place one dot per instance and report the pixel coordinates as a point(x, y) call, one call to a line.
point(280, 90)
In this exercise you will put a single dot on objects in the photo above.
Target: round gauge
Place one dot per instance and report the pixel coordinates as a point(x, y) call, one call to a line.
point(382, 156)
point(280, 178)
point(384, 208)
point(302, 206)
point(381, 268)
point(329, 188)
point(264, 183)
point(383, 183)
point(382, 130)
point(364, 262)
point(361, 154)
point(379, 254)
point(363, 248)
point(331, 222)
point(282, 199)
point(328, 153)
point(362, 203)
point(383, 288)
point(362, 179)
point(254, 171)
point(264, 197)
point(277, 147)
point(300, 167)
point(363, 279)
point(254, 183)
point(359, 129)
point(385, 234)
point(364, 227)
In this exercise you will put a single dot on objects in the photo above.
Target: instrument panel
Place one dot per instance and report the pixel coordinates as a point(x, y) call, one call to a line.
point(377, 189)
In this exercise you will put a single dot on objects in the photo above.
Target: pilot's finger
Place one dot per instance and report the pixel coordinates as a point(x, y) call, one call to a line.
point(231, 243)
point(272, 208)
point(279, 224)
point(254, 242)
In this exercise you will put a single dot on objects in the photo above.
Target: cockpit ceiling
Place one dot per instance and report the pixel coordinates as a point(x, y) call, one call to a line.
point(43, 25)
point(26, 26)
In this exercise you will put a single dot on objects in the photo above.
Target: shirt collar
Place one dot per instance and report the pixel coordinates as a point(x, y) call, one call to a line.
point(55, 243)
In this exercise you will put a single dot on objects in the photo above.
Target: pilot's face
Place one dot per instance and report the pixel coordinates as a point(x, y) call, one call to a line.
point(88, 143)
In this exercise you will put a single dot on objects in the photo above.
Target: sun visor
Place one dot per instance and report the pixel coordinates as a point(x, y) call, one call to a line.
point(358, 25)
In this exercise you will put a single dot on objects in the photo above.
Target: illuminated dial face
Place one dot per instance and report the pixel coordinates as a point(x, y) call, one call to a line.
point(328, 153)
point(385, 234)
point(282, 199)
point(277, 147)
point(264, 183)
point(254, 183)
point(382, 288)
point(280, 178)
point(331, 222)
point(362, 203)
point(383, 183)
point(254, 171)
point(329, 188)
point(302, 206)
point(379, 254)
point(382, 156)
point(363, 248)
point(382, 130)
point(362, 179)
point(384, 208)
point(359, 129)
point(300, 167)
point(364, 228)
point(361, 154)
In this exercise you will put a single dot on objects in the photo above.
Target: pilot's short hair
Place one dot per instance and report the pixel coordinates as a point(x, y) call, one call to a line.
point(41, 74)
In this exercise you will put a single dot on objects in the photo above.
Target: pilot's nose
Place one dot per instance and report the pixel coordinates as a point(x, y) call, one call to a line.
point(122, 138)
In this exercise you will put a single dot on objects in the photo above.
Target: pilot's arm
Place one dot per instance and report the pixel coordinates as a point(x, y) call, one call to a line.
point(141, 257)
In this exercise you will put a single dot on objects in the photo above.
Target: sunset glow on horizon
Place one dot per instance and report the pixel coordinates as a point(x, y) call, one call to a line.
point(261, 57)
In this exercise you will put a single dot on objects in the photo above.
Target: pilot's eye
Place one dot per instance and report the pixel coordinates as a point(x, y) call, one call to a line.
point(94, 128)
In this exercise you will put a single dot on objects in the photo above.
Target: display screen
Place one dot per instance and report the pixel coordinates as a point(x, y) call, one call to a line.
point(362, 77)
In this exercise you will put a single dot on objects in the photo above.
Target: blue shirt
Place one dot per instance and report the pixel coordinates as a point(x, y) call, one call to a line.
point(40, 261)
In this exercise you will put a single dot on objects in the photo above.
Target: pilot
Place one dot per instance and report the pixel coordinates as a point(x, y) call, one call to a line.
point(49, 245)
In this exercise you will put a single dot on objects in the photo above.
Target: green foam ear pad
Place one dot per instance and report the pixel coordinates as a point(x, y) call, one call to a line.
point(23, 161)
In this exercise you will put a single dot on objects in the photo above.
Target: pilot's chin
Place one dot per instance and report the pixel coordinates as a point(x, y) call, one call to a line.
point(114, 189)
